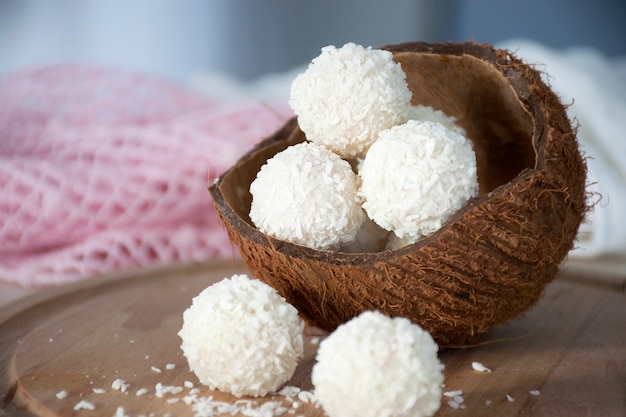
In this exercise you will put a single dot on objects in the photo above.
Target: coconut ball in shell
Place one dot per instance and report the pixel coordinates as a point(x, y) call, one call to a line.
point(378, 366)
point(307, 195)
point(349, 94)
point(240, 336)
point(417, 175)
point(492, 259)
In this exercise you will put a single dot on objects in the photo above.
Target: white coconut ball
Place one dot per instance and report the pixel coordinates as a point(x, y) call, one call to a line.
point(377, 366)
point(240, 336)
point(417, 175)
point(348, 95)
point(307, 195)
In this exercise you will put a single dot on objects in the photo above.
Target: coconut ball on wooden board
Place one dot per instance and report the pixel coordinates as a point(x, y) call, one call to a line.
point(349, 94)
point(378, 366)
point(240, 336)
point(415, 176)
point(307, 195)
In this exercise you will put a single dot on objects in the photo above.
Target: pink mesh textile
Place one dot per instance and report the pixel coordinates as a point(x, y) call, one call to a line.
point(102, 170)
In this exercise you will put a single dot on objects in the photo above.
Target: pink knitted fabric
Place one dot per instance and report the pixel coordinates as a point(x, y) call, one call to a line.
point(102, 170)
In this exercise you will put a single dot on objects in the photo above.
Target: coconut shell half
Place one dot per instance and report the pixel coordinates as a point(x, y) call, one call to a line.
point(488, 263)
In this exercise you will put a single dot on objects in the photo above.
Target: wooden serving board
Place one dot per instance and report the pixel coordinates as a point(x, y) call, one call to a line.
point(566, 357)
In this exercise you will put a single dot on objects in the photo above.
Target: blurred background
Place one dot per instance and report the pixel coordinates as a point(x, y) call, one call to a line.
point(248, 38)
point(234, 50)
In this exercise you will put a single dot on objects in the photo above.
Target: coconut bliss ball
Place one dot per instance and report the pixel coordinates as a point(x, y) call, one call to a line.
point(307, 195)
point(417, 175)
point(240, 336)
point(377, 366)
point(348, 95)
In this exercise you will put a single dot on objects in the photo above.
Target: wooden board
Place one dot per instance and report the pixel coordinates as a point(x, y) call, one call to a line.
point(566, 357)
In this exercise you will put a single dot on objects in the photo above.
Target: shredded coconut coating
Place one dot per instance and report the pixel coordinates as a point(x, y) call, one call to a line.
point(415, 176)
point(377, 366)
point(307, 195)
point(348, 95)
point(240, 336)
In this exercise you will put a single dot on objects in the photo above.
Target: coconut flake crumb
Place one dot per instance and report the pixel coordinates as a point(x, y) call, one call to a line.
point(307, 195)
point(453, 404)
point(391, 362)
point(477, 366)
point(170, 366)
point(455, 393)
point(509, 398)
point(155, 369)
point(260, 337)
point(98, 391)
point(120, 412)
point(161, 390)
point(417, 175)
point(141, 391)
point(348, 95)
point(456, 400)
point(61, 394)
point(120, 385)
point(84, 405)
point(188, 384)
point(307, 397)
point(535, 392)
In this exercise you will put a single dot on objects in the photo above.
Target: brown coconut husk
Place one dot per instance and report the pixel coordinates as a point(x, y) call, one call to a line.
point(488, 263)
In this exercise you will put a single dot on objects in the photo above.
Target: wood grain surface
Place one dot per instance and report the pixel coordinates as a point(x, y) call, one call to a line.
point(565, 357)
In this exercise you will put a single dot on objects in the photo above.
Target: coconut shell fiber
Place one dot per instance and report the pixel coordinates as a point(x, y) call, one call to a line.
point(103, 169)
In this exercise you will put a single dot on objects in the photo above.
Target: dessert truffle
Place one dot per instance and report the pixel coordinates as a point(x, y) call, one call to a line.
point(415, 176)
point(348, 95)
point(377, 366)
point(240, 336)
point(307, 195)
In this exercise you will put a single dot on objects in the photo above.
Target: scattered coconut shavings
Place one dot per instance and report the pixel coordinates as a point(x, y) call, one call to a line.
point(477, 366)
point(307, 195)
point(348, 95)
point(509, 398)
point(61, 394)
point(155, 369)
point(98, 391)
point(456, 400)
point(535, 392)
point(120, 385)
point(141, 391)
point(260, 337)
point(84, 405)
point(391, 362)
point(170, 366)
